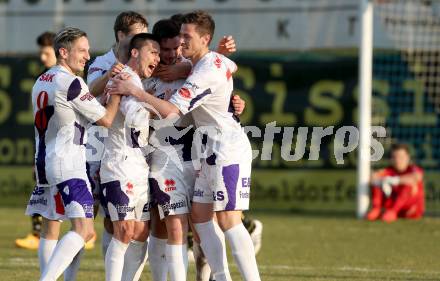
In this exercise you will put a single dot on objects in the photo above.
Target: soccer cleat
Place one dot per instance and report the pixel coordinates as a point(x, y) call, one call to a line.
point(91, 243)
point(373, 214)
point(30, 242)
point(256, 235)
point(389, 216)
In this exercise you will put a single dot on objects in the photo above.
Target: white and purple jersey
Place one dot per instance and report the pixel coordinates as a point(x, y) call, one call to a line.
point(207, 93)
point(62, 107)
point(100, 66)
point(123, 158)
point(178, 136)
point(96, 134)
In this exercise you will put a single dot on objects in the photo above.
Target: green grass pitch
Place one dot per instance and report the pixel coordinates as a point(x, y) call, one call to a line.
point(295, 247)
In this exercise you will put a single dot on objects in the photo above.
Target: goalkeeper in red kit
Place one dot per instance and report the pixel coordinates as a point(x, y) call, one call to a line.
point(397, 191)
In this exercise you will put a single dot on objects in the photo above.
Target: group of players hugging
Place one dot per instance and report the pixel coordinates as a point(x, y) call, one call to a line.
point(154, 138)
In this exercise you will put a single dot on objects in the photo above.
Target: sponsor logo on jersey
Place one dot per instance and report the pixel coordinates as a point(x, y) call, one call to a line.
point(122, 209)
point(147, 207)
point(244, 195)
point(38, 190)
point(246, 182)
point(94, 69)
point(179, 204)
point(88, 209)
point(86, 96)
point(198, 193)
point(218, 62)
point(218, 196)
point(170, 185)
point(39, 201)
point(129, 189)
point(47, 77)
point(184, 92)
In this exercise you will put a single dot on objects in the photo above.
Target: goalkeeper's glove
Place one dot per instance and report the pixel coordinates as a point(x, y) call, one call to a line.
point(388, 183)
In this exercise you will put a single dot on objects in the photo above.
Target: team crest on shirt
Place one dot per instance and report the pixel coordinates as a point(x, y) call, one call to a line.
point(184, 92)
point(218, 62)
point(170, 185)
point(129, 189)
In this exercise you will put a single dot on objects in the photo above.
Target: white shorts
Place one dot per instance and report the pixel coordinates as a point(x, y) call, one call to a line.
point(127, 200)
point(172, 184)
point(227, 186)
point(66, 200)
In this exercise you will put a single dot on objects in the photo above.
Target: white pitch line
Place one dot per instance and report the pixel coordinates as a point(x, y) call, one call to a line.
point(96, 264)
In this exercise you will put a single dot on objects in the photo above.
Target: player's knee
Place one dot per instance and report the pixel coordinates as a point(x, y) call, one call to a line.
point(141, 232)
point(108, 225)
point(126, 232)
point(228, 219)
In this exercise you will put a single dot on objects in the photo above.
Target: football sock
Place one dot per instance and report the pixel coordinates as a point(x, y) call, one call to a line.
point(114, 260)
point(213, 245)
point(177, 260)
point(62, 256)
point(157, 258)
point(243, 252)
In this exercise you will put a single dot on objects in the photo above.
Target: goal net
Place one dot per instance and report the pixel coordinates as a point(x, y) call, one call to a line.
point(406, 84)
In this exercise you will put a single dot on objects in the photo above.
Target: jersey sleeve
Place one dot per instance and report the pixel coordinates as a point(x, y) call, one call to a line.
point(83, 102)
point(95, 71)
point(197, 89)
point(230, 65)
point(136, 115)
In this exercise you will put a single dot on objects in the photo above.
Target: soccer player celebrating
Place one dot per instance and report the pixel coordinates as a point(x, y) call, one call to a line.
point(102, 69)
point(173, 182)
point(124, 170)
point(62, 108)
point(397, 189)
point(224, 181)
point(48, 59)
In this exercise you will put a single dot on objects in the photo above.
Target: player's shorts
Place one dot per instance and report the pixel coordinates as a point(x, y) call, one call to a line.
point(225, 185)
point(127, 200)
point(43, 203)
point(171, 184)
point(66, 200)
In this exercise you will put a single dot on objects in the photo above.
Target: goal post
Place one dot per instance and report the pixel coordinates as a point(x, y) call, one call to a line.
point(399, 78)
point(365, 92)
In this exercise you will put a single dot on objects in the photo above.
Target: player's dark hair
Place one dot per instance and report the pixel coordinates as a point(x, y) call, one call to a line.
point(125, 20)
point(399, 146)
point(139, 40)
point(65, 38)
point(46, 39)
point(166, 29)
point(203, 21)
point(178, 18)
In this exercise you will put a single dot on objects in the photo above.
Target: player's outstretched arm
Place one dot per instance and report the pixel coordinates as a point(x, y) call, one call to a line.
point(111, 110)
point(173, 72)
point(97, 86)
point(126, 87)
